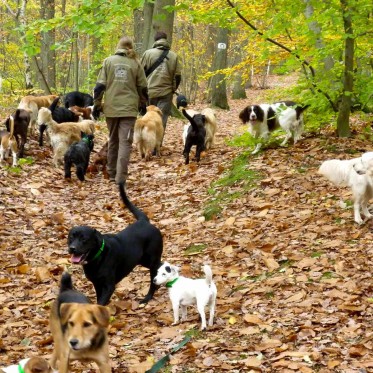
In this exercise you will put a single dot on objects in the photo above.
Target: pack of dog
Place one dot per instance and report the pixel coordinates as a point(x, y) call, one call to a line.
point(79, 329)
point(8, 143)
point(32, 104)
point(265, 118)
point(195, 135)
point(148, 133)
point(31, 365)
point(59, 115)
point(357, 174)
point(62, 135)
point(108, 258)
point(78, 155)
point(184, 292)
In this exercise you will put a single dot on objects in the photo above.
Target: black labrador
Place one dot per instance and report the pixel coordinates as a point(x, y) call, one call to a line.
point(108, 258)
point(196, 135)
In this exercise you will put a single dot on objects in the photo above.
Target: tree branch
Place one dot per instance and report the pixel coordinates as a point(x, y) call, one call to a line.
point(303, 62)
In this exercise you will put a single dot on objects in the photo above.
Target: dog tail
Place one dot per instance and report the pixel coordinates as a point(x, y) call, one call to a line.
point(11, 126)
point(208, 273)
point(138, 214)
point(66, 282)
point(54, 104)
point(300, 109)
point(191, 120)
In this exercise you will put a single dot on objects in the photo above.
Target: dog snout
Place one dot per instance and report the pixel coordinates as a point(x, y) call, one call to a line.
point(74, 343)
point(72, 249)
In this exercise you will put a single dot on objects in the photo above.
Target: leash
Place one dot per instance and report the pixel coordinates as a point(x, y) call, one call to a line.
point(165, 359)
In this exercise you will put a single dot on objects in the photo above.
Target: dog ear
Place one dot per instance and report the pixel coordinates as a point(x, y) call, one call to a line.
point(244, 115)
point(168, 269)
point(65, 312)
point(37, 365)
point(102, 315)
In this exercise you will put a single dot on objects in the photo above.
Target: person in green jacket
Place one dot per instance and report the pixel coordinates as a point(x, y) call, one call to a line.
point(164, 80)
point(123, 83)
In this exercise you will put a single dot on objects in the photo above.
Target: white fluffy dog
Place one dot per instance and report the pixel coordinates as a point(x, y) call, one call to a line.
point(185, 292)
point(356, 173)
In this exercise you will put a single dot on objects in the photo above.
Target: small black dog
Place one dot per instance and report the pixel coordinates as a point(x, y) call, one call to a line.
point(77, 98)
point(78, 154)
point(108, 258)
point(195, 136)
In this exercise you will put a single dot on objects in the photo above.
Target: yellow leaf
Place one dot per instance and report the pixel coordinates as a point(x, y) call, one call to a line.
point(232, 320)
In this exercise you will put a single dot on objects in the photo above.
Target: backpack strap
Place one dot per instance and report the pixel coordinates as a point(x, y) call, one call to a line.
point(157, 62)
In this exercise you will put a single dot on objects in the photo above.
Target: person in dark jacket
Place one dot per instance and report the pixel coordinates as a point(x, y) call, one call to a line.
point(165, 79)
point(123, 83)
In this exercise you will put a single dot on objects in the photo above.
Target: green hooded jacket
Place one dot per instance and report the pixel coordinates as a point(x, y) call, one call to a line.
point(123, 78)
point(161, 81)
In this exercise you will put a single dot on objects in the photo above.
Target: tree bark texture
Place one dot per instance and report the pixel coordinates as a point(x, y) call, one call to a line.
point(343, 125)
point(218, 82)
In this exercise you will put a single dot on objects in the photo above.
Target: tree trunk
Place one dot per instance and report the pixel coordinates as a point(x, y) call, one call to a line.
point(47, 61)
point(148, 16)
point(138, 30)
point(76, 64)
point(238, 90)
point(343, 125)
point(218, 82)
point(162, 20)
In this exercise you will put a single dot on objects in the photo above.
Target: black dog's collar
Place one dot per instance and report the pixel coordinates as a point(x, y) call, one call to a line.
point(99, 252)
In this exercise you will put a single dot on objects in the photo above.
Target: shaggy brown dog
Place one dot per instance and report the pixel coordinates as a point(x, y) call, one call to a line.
point(32, 104)
point(21, 124)
point(210, 126)
point(31, 365)
point(100, 159)
point(79, 329)
point(62, 135)
point(8, 143)
point(149, 132)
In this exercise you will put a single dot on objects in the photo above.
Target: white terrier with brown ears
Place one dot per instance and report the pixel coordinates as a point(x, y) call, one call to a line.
point(184, 292)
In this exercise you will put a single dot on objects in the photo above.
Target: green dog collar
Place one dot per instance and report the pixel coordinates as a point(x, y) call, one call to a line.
point(20, 369)
point(99, 252)
point(170, 283)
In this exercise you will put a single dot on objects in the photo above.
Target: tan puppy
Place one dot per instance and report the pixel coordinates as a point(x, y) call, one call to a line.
point(33, 103)
point(149, 131)
point(210, 126)
point(62, 135)
point(79, 329)
point(32, 365)
point(8, 143)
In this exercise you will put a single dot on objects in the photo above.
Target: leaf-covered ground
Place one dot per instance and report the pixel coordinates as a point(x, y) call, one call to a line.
point(293, 270)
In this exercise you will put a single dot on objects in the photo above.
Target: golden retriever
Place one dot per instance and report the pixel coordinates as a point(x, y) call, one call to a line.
point(62, 135)
point(33, 103)
point(80, 333)
point(148, 132)
point(31, 365)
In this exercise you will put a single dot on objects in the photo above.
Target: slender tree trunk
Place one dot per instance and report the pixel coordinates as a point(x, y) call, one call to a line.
point(162, 20)
point(47, 61)
point(138, 30)
point(147, 42)
point(76, 64)
point(218, 82)
point(343, 125)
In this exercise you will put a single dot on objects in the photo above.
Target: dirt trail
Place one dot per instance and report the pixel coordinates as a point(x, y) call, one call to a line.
point(292, 269)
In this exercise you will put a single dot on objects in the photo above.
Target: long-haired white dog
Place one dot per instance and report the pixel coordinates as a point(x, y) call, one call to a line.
point(356, 173)
point(148, 133)
point(184, 292)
